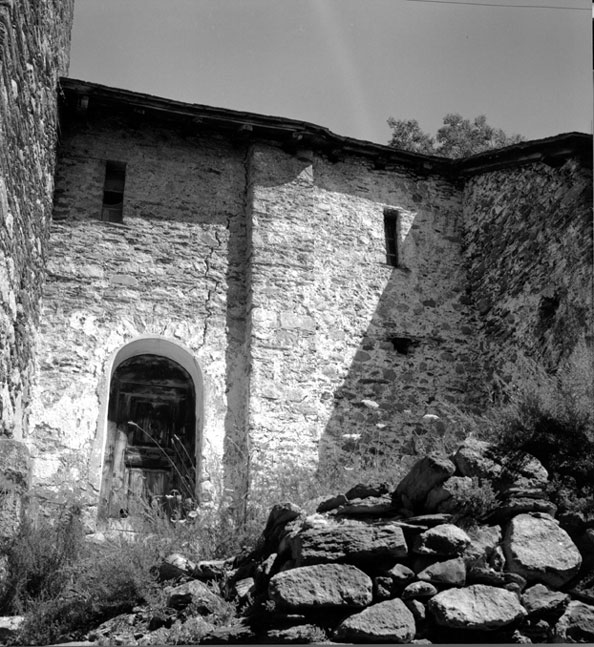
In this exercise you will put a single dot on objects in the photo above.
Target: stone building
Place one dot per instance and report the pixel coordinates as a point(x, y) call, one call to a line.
point(249, 294)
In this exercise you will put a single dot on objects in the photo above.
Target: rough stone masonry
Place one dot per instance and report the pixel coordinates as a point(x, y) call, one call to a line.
point(298, 291)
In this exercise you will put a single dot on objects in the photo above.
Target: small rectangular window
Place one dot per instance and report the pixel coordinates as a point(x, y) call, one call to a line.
point(113, 191)
point(391, 230)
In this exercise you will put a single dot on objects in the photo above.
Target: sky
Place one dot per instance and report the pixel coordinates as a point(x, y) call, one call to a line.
point(348, 65)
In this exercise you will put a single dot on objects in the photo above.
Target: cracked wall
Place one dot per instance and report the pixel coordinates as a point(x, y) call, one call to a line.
point(269, 266)
point(171, 269)
point(328, 381)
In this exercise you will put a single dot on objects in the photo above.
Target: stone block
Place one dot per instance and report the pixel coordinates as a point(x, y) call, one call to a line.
point(322, 586)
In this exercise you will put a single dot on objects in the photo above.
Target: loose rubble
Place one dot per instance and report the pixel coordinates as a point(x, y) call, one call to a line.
point(375, 566)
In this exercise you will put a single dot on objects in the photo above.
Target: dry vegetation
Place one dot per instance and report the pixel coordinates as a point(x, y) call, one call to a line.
point(65, 585)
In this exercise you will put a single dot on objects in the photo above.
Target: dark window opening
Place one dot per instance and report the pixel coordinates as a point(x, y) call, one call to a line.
point(403, 345)
point(113, 192)
point(391, 227)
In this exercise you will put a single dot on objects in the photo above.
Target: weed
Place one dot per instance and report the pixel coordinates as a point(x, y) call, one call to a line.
point(38, 558)
point(550, 417)
point(473, 502)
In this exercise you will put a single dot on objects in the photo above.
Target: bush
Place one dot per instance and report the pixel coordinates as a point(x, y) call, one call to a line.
point(38, 559)
point(473, 503)
point(552, 418)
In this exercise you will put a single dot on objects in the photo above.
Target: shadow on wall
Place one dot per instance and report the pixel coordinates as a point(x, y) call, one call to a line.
point(408, 328)
point(419, 356)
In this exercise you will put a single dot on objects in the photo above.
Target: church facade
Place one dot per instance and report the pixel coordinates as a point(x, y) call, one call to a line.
point(201, 300)
point(255, 294)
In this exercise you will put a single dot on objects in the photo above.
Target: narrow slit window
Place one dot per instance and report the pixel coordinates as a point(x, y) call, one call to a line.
point(391, 229)
point(113, 191)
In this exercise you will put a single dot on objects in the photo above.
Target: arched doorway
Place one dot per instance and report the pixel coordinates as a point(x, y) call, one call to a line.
point(152, 427)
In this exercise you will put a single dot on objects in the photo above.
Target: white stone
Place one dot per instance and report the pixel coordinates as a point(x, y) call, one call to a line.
point(478, 606)
point(389, 621)
point(539, 550)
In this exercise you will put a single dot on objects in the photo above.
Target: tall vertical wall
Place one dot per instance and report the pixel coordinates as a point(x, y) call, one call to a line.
point(268, 265)
point(174, 269)
point(348, 352)
point(34, 52)
point(528, 245)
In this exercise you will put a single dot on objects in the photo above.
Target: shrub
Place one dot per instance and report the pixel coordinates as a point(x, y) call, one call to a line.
point(38, 559)
point(551, 417)
point(473, 503)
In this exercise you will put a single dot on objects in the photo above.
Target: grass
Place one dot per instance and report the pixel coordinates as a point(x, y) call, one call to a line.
point(65, 586)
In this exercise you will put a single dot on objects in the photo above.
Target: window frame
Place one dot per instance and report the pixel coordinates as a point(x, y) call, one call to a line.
point(112, 207)
point(392, 235)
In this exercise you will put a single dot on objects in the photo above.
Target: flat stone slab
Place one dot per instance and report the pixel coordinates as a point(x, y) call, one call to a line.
point(478, 607)
point(390, 621)
point(321, 586)
point(538, 549)
point(348, 543)
point(539, 600)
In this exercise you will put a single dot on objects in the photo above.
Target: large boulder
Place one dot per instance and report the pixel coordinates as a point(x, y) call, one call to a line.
point(445, 540)
point(388, 621)
point(425, 474)
point(478, 607)
point(576, 625)
point(476, 458)
point(321, 586)
point(541, 551)
point(348, 542)
point(518, 470)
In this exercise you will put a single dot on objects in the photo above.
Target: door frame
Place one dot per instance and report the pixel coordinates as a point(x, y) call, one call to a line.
point(150, 345)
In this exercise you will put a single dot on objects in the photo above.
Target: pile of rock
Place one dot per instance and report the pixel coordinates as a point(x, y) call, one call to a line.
point(379, 566)
point(374, 565)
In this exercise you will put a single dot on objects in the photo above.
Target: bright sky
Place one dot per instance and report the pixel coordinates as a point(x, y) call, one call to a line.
point(350, 64)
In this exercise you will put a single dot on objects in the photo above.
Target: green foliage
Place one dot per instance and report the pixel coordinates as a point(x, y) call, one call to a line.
point(474, 503)
point(551, 417)
point(407, 135)
point(38, 558)
point(458, 137)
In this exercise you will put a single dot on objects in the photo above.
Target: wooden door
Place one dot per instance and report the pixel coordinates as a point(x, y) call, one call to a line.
point(150, 447)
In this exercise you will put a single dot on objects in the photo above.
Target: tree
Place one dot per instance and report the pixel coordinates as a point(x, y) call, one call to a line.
point(458, 137)
point(407, 134)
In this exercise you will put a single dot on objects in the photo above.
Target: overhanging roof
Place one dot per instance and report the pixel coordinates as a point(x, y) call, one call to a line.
point(92, 97)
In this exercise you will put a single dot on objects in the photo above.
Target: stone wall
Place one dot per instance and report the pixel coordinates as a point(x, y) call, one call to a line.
point(174, 269)
point(349, 352)
point(528, 245)
point(265, 262)
point(269, 267)
point(34, 50)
